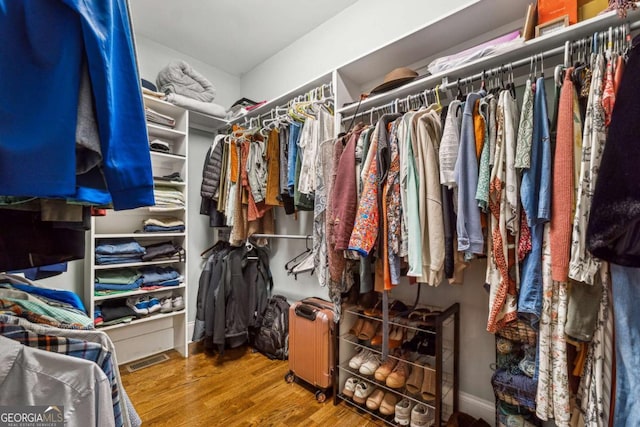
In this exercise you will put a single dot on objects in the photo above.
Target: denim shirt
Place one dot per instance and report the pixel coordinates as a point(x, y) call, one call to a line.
point(469, 227)
point(535, 194)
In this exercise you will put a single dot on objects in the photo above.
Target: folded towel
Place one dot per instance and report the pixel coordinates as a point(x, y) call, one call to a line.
point(202, 107)
point(179, 78)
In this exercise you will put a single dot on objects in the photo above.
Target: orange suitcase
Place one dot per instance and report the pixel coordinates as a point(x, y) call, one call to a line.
point(311, 339)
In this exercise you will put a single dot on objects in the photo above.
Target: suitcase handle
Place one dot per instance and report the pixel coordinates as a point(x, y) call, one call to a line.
point(313, 303)
point(305, 311)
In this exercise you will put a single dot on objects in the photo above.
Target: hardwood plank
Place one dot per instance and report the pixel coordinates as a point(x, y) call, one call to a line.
point(241, 388)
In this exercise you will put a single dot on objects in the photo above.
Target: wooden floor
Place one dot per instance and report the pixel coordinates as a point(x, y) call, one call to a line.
point(240, 389)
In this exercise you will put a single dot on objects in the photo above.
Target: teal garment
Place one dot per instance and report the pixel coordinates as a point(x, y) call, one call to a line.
point(484, 170)
point(413, 214)
point(120, 276)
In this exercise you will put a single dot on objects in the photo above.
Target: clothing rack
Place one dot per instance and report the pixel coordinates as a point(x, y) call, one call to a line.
point(283, 236)
point(567, 49)
point(318, 93)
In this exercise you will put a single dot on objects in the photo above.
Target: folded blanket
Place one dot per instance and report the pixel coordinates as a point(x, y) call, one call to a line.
point(191, 104)
point(179, 78)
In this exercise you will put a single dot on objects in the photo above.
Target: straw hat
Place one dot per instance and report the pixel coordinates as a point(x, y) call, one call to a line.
point(394, 79)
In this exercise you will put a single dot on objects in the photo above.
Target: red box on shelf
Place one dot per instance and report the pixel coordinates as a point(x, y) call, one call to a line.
point(549, 10)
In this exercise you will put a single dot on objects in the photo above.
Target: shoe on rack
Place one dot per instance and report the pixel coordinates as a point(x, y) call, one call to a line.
point(165, 305)
point(414, 382)
point(362, 392)
point(388, 404)
point(403, 412)
point(396, 337)
point(374, 401)
point(177, 303)
point(140, 305)
point(368, 330)
point(350, 386)
point(370, 364)
point(429, 384)
point(356, 361)
point(357, 327)
point(385, 369)
point(398, 377)
point(422, 416)
point(153, 305)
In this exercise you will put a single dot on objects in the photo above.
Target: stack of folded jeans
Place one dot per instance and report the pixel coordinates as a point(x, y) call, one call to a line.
point(163, 225)
point(117, 251)
point(120, 279)
point(159, 276)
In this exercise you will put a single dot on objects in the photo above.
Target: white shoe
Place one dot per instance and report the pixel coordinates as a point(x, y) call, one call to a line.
point(177, 303)
point(357, 360)
point(403, 412)
point(362, 392)
point(370, 364)
point(350, 386)
point(165, 305)
point(422, 416)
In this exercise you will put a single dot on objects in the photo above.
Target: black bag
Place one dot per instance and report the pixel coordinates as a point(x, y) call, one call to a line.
point(271, 334)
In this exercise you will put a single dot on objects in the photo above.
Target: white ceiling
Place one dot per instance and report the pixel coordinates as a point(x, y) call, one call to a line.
point(232, 35)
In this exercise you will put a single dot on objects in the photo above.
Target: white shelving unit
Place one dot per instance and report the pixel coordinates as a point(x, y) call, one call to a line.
point(157, 332)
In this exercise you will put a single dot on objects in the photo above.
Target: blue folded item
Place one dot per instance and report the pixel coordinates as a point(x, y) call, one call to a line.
point(161, 229)
point(115, 259)
point(43, 272)
point(170, 282)
point(117, 286)
point(157, 274)
point(68, 297)
point(119, 246)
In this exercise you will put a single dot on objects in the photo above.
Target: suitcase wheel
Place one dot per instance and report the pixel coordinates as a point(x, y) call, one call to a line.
point(289, 378)
point(320, 396)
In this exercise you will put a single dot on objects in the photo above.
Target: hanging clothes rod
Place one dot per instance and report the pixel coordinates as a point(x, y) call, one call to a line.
point(393, 106)
point(283, 236)
point(318, 91)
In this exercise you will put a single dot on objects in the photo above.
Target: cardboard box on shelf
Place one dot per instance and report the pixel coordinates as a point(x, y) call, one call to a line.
point(587, 9)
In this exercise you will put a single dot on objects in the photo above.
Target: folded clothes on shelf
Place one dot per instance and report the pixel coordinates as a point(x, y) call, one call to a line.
point(155, 274)
point(155, 117)
point(118, 247)
point(160, 250)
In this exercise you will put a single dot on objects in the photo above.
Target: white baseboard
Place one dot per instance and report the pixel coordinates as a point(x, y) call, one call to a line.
point(477, 407)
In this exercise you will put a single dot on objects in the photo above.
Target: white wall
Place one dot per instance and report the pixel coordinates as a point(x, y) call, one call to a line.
point(152, 57)
point(356, 31)
point(200, 235)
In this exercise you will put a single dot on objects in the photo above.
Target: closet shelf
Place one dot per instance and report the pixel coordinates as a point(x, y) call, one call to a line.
point(136, 235)
point(535, 46)
point(164, 132)
point(283, 99)
point(168, 156)
point(174, 184)
point(136, 264)
point(205, 122)
point(138, 292)
point(150, 318)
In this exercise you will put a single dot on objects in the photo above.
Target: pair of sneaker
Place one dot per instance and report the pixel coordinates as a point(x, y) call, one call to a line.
point(144, 305)
point(419, 415)
point(365, 361)
point(169, 304)
point(358, 390)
